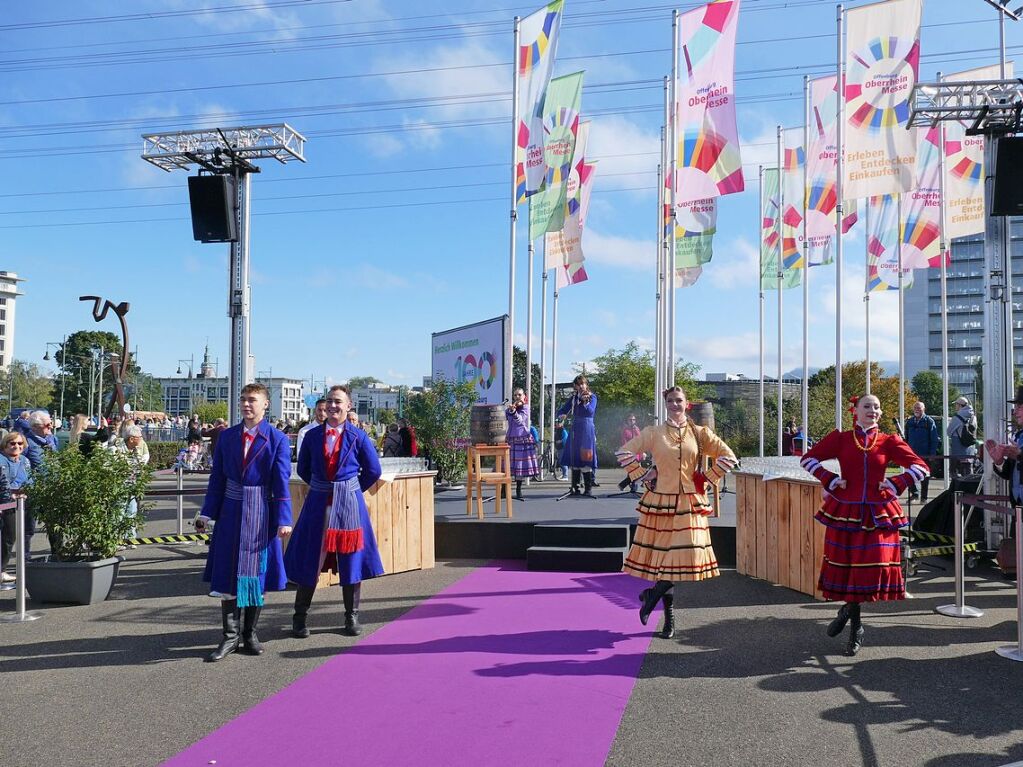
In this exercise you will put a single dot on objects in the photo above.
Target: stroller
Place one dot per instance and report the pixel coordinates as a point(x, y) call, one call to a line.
point(932, 533)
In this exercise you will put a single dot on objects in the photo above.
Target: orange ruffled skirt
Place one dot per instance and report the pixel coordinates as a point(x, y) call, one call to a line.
point(672, 541)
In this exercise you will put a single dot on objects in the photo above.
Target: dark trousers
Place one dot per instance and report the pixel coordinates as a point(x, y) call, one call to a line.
point(7, 533)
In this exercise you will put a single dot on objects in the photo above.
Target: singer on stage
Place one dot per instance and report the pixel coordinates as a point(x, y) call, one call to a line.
point(672, 540)
point(522, 442)
point(582, 446)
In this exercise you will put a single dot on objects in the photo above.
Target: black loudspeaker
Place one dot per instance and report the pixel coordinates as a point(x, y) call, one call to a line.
point(211, 199)
point(1008, 196)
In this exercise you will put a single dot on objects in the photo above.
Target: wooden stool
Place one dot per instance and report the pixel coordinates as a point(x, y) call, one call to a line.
point(500, 477)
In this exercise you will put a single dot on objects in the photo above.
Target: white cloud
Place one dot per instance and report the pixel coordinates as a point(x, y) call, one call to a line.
point(621, 252)
point(372, 277)
point(735, 265)
point(622, 146)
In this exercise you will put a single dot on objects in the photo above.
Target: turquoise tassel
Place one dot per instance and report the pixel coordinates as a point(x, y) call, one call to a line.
point(250, 594)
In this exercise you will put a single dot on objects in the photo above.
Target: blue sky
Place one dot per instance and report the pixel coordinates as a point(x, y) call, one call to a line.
point(396, 227)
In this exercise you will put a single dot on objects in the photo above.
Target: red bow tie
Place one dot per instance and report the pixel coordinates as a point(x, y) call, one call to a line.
point(249, 437)
point(332, 432)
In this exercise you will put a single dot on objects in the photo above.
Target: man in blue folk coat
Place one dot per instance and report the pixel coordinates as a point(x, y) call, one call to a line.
point(249, 500)
point(582, 445)
point(339, 462)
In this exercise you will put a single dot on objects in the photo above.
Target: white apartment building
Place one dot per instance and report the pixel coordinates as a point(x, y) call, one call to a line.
point(8, 293)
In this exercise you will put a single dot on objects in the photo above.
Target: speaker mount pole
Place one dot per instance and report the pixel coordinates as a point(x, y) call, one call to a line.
point(230, 151)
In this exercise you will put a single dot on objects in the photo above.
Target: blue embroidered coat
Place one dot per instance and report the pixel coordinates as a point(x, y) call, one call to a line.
point(269, 465)
point(357, 457)
point(581, 449)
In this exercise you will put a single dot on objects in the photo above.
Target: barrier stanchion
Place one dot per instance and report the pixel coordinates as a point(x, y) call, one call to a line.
point(20, 615)
point(181, 500)
point(960, 609)
point(1015, 652)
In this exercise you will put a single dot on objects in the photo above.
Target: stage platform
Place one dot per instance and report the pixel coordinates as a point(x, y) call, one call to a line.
point(458, 535)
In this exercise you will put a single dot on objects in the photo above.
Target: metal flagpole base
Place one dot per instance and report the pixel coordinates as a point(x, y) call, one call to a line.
point(29, 615)
point(1010, 651)
point(955, 611)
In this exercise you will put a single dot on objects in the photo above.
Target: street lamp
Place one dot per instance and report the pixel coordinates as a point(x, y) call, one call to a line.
point(191, 368)
point(46, 357)
point(268, 376)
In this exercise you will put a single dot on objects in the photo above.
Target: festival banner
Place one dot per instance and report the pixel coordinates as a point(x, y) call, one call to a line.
point(769, 239)
point(560, 127)
point(695, 226)
point(883, 245)
point(882, 62)
point(566, 245)
point(964, 166)
point(538, 42)
point(920, 227)
point(792, 198)
point(708, 163)
point(822, 173)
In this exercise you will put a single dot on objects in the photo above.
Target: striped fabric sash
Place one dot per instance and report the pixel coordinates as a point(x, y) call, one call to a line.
point(344, 526)
point(253, 541)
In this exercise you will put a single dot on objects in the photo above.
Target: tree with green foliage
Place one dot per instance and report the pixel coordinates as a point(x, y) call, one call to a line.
point(361, 382)
point(386, 417)
point(519, 381)
point(927, 387)
point(822, 396)
point(441, 418)
point(32, 387)
point(79, 361)
point(209, 412)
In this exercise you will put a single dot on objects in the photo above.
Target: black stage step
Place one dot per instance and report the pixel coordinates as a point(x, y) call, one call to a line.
point(581, 536)
point(578, 548)
point(566, 559)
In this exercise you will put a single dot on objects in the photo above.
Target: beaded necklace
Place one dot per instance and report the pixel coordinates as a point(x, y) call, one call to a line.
point(865, 447)
point(676, 433)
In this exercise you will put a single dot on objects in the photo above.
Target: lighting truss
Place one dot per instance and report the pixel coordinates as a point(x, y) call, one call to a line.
point(990, 106)
point(221, 149)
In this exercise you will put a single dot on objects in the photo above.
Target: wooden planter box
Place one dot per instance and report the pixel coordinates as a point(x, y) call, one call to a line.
point(401, 512)
point(776, 537)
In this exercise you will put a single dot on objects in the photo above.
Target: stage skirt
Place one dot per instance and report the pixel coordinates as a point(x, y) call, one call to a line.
point(672, 541)
point(862, 552)
point(523, 457)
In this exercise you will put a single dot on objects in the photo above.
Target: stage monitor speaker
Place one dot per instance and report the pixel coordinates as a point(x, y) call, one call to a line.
point(211, 199)
point(1008, 194)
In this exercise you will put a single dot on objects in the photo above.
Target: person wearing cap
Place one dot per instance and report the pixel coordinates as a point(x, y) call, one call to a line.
point(962, 455)
point(1005, 457)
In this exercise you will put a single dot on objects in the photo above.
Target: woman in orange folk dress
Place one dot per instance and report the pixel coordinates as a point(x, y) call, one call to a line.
point(672, 540)
point(861, 511)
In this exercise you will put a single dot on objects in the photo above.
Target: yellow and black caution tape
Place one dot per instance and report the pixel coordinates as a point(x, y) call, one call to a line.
point(187, 538)
point(941, 551)
point(933, 537)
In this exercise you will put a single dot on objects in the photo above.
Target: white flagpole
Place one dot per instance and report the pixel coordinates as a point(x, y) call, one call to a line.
point(902, 323)
point(510, 349)
point(866, 299)
point(554, 370)
point(760, 282)
point(839, 214)
point(805, 393)
point(543, 349)
point(943, 248)
point(659, 290)
point(781, 269)
point(673, 149)
point(529, 325)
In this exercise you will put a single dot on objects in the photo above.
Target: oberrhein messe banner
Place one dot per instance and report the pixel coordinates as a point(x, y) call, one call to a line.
point(561, 126)
point(822, 172)
point(882, 62)
point(770, 252)
point(538, 42)
point(708, 162)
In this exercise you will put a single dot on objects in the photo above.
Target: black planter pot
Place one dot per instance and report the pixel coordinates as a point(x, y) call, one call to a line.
point(79, 583)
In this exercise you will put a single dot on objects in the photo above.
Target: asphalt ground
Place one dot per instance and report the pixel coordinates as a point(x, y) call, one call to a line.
point(750, 679)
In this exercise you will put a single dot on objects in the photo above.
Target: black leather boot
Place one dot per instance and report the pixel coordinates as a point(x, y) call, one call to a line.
point(588, 483)
point(855, 631)
point(669, 616)
point(836, 626)
point(230, 614)
point(303, 598)
point(518, 490)
point(650, 597)
point(575, 481)
point(350, 594)
point(250, 642)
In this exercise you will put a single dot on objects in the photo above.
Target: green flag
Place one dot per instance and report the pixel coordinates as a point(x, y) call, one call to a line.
point(561, 127)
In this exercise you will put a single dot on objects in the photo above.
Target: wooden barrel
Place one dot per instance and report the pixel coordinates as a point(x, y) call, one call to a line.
point(488, 425)
point(702, 414)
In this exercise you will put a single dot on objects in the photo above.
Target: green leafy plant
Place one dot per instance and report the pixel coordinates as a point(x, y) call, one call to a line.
point(163, 455)
point(82, 502)
point(441, 418)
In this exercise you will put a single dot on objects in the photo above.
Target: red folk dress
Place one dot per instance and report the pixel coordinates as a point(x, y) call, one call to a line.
point(862, 551)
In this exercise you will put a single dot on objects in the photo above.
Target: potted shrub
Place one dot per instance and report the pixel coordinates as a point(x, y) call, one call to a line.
point(83, 502)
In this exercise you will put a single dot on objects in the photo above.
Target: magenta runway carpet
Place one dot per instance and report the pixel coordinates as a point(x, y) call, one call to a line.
point(505, 667)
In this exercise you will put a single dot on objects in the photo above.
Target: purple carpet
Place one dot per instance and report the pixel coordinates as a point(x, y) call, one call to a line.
point(505, 667)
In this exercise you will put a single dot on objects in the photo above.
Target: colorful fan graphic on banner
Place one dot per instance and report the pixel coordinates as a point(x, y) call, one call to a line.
point(769, 238)
point(921, 208)
point(539, 35)
point(792, 198)
point(695, 227)
point(570, 274)
point(561, 128)
point(881, 71)
point(708, 163)
point(883, 245)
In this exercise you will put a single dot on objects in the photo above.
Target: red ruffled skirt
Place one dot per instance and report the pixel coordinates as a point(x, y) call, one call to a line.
point(862, 552)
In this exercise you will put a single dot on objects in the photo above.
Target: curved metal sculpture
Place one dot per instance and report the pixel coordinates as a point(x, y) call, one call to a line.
point(100, 307)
